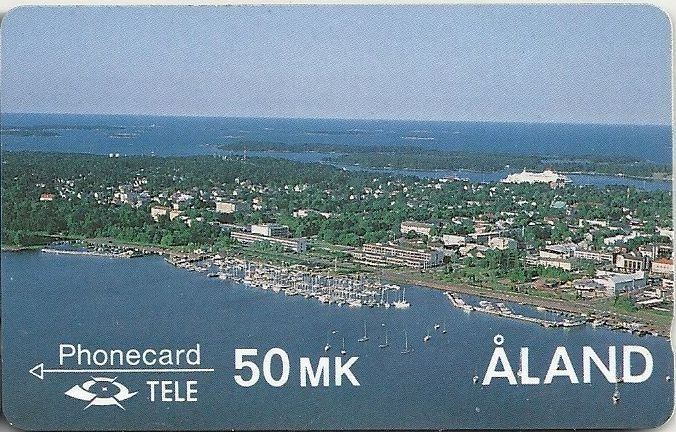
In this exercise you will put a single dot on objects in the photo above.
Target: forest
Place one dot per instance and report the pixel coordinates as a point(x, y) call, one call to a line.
point(362, 207)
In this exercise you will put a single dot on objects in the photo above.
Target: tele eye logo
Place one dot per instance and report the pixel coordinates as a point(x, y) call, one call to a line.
point(100, 391)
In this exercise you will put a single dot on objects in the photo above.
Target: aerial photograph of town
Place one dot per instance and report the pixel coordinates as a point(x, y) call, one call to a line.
point(415, 193)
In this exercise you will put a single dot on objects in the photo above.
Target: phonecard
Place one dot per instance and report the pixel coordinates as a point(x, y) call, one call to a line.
point(337, 217)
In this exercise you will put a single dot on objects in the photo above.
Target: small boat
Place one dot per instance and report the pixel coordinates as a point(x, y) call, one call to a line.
point(406, 349)
point(365, 337)
point(328, 345)
point(343, 351)
point(386, 344)
point(437, 326)
point(475, 379)
point(598, 323)
point(354, 303)
point(616, 395)
point(427, 336)
point(443, 329)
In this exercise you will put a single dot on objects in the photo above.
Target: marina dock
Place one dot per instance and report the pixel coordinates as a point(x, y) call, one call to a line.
point(500, 309)
point(355, 291)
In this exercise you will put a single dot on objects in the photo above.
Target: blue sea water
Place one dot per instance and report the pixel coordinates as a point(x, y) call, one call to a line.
point(145, 302)
point(200, 135)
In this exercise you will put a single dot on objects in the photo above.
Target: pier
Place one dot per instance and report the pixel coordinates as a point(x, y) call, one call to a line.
point(500, 309)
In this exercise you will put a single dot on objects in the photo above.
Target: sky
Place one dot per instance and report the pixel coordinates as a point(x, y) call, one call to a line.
point(537, 63)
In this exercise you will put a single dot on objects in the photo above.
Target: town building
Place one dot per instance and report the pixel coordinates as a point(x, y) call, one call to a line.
point(298, 245)
point(230, 207)
point(271, 230)
point(156, 211)
point(558, 251)
point(631, 262)
point(589, 288)
point(380, 254)
point(622, 238)
point(419, 228)
point(654, 251)
point(618, 283)
point(127, 197)
point(591, 255)
point(663, 266)
point(451, 240)
point(564, 264)
point(303, 213)
point(592, 222)
point(484, 237)
point(502, 243)
point(666, 232)
point(473, 249)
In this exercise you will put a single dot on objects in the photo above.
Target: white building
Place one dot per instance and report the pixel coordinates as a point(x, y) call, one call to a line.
point(666, 232)
point(451, 240)
point(230, 207)
point(303, 213)
point(558, 251)
point(157, 211)
point(502, 243)
point(379, 254)
point(589, 288)
point(563, 264)
point(663, 266)
point(631, 262)
point(420, 228)
point(298, 245)
point(617, 283)
point(271, 230)
point(593, 255)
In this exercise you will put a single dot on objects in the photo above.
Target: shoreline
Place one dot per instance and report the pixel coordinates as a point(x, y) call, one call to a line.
point(557, 305)
point(331, 159)
point(407, 278)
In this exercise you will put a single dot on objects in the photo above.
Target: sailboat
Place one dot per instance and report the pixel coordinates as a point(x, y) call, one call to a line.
point(386, 344)
point(365, 337)
point(402, 304)
point(328, 345)
point(427, 336)
point(406, 349)
point(616, 393)
point(443, 329)
point(343, 351)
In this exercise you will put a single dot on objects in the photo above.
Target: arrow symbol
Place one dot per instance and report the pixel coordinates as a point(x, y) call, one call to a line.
point(39, 371)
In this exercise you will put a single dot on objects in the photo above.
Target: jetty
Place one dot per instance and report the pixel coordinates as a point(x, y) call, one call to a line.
point(500, 309)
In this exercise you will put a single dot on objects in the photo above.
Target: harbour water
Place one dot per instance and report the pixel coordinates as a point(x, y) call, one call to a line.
point(49, 299)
